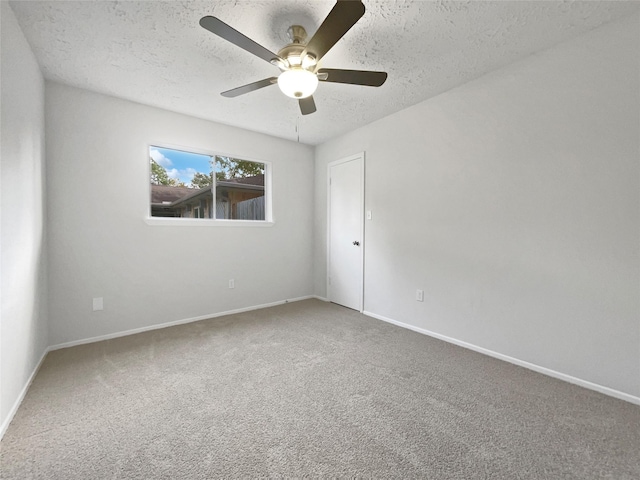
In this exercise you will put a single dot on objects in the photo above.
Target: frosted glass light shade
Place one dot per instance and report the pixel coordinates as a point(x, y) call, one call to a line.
point(297, 83)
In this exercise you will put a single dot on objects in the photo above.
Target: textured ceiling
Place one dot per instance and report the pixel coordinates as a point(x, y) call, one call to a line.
point(155, 52)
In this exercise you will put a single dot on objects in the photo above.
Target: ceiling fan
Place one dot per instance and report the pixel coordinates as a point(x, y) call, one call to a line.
point(299, 61)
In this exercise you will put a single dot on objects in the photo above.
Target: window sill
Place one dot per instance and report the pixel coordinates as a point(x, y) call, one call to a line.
point(204, 222)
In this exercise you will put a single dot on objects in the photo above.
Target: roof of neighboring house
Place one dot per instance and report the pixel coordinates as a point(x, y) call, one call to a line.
point(168, 193)
point(238, 185)
point(255, 180)
point(196, 192)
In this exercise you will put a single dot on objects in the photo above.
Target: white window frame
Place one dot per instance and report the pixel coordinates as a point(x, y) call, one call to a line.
point(210, 222)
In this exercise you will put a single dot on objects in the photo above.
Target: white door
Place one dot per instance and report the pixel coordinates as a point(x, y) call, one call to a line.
point(346, 232)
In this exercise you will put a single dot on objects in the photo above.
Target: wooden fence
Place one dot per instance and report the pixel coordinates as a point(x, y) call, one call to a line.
point(252, 209)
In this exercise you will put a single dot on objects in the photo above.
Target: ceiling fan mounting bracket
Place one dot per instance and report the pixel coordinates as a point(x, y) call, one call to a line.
point(297, 34)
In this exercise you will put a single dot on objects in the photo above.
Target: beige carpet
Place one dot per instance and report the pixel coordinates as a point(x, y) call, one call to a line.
point(308, 389)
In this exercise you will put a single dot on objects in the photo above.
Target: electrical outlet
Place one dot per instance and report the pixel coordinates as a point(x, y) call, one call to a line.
point(232, 283)
point(420, 295)
point(98, 304)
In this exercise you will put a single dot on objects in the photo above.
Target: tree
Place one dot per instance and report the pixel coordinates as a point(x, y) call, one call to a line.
point(226, 168)
point(229, 168)
point(202, 180)
point(159, 175)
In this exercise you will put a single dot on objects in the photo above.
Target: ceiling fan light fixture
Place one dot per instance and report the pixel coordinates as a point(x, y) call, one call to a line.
point(309, 61)
point(294, 60)
point(298, 83)
point(280, 63)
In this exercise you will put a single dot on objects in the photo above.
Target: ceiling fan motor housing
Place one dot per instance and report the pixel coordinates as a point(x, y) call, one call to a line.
point(292, 53)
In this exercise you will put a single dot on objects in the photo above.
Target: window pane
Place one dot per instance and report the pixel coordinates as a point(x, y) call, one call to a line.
point(240, 193)
point(182, 186)
point(181, 183)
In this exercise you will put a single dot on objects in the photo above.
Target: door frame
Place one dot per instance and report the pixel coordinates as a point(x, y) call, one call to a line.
point(357, 156)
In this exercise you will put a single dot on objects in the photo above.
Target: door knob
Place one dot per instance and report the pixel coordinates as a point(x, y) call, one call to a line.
point(356, 243)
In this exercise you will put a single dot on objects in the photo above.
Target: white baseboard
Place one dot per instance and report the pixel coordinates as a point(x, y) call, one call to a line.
point(23, 393)
point(158, 326)
point(531, 366)
point(546, 371)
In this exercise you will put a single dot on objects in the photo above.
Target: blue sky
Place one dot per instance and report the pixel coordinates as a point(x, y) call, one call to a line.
point(180, 165)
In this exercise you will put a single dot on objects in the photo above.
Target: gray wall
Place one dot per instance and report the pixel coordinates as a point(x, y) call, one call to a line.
point(100, 245)
point(23, 287)
point(514, 202)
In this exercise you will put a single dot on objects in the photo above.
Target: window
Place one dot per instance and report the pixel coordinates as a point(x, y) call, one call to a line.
point(204, 186)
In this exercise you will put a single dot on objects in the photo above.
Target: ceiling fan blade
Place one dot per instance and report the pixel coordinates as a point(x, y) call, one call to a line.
point(341, 18)
point(354, 77)
point(234, 92)
point(217, 26)
point(307, 105)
